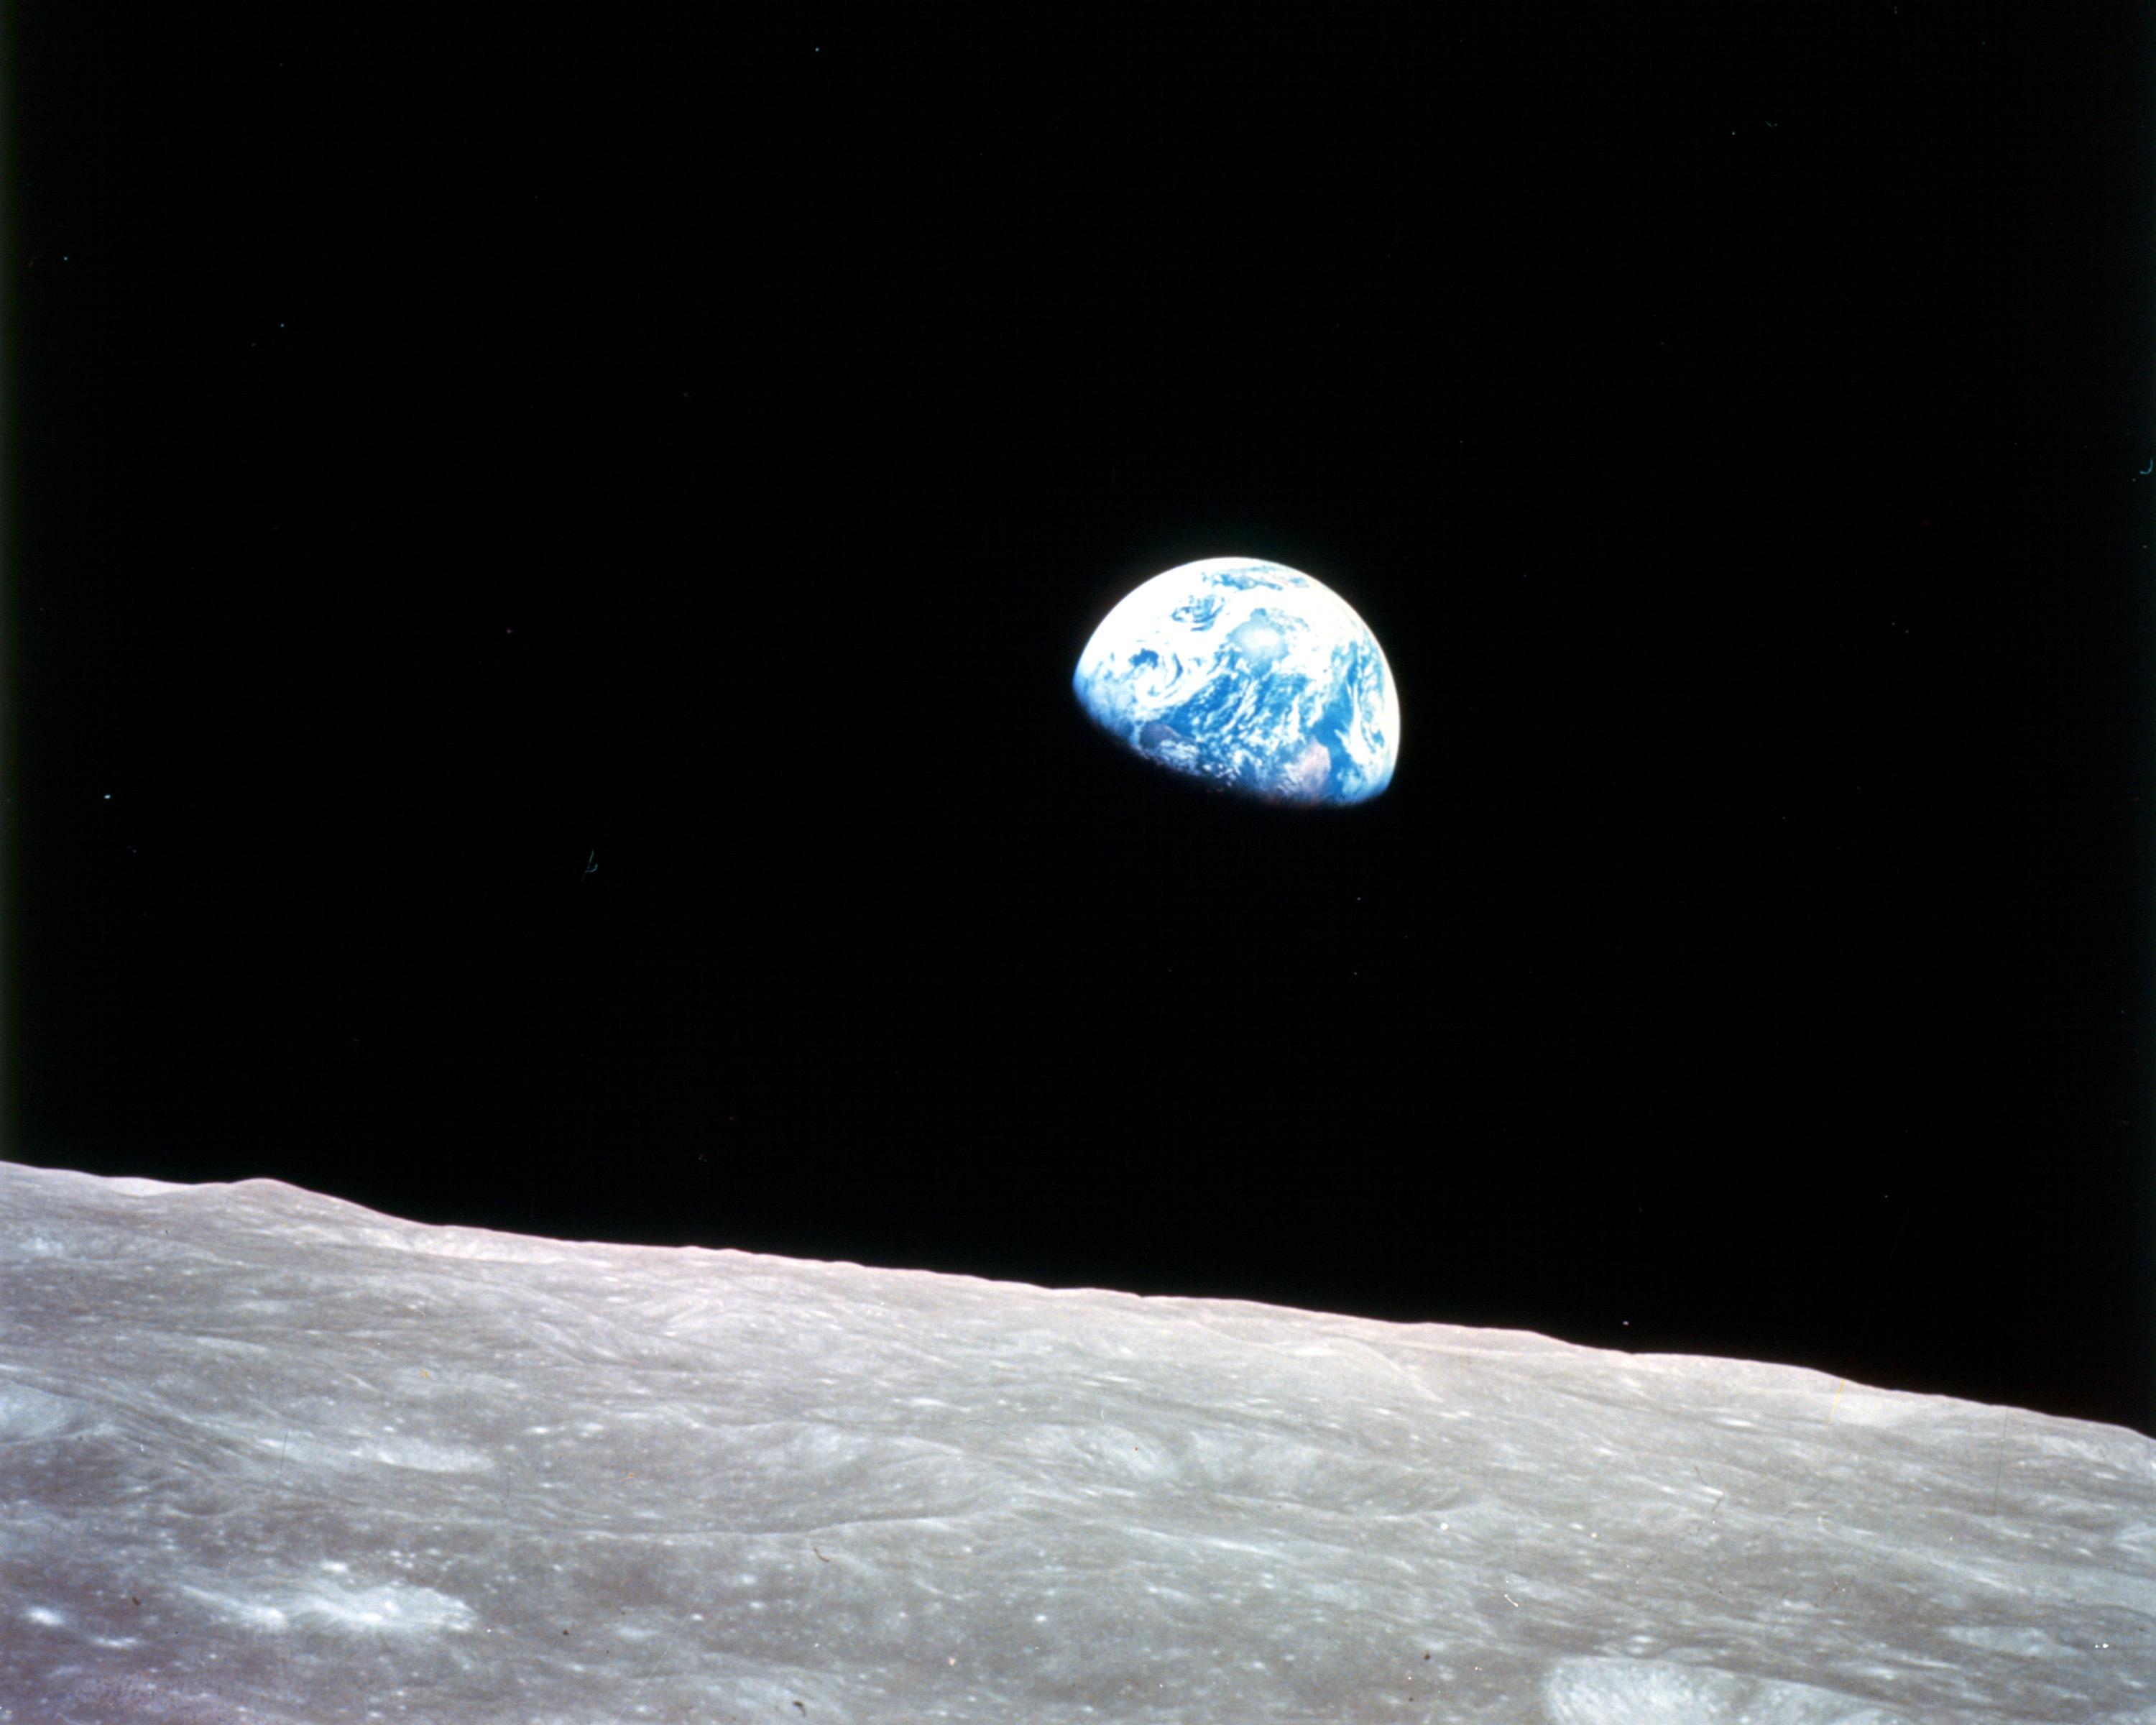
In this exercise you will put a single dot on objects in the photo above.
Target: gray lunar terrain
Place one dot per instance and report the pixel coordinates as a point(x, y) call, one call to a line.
point(267, 1456)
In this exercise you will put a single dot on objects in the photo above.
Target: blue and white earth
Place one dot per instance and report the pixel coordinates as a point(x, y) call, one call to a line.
point(1249, 674)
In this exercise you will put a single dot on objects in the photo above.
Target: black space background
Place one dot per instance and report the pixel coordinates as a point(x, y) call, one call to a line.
point(455, 446)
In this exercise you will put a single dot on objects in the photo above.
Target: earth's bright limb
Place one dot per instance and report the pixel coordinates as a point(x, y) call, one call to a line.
point(1249, 674)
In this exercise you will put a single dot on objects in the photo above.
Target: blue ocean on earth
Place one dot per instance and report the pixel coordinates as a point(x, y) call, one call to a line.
point(1249, 675)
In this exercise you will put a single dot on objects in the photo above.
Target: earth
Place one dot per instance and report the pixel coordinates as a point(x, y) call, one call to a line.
point(1248, 674)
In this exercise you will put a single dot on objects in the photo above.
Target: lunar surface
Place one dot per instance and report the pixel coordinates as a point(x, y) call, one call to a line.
point(266, 1456)
point(1249, 675)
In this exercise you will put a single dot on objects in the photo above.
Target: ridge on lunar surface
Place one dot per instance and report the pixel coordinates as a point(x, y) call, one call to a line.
point(265, 1456)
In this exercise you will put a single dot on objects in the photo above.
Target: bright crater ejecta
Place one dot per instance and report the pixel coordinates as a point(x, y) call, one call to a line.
point(1249, 675)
